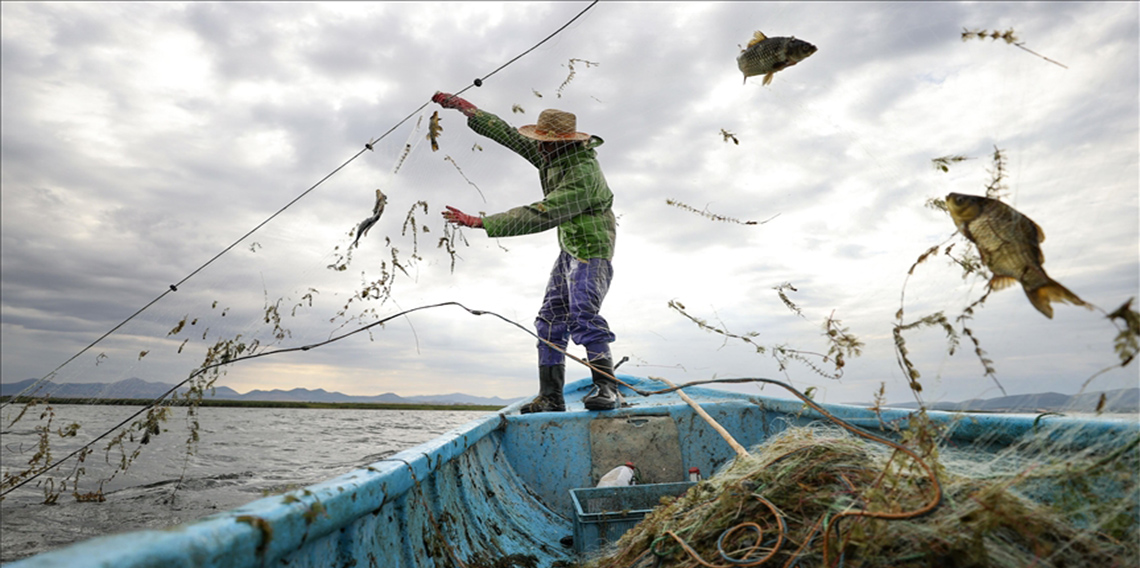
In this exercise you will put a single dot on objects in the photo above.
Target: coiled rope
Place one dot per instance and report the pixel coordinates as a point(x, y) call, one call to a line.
point(830, 525)
point(367, 147)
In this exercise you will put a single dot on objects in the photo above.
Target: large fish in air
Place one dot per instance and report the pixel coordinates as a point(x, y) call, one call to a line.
point(1010, 246)
point(766, 55)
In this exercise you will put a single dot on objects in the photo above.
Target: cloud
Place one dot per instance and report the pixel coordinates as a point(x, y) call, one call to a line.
point(140, 140)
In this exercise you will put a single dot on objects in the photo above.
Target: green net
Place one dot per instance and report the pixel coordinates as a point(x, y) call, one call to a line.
point(820, 496)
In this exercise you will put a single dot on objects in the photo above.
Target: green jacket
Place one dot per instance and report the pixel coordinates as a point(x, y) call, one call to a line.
point(576, 198)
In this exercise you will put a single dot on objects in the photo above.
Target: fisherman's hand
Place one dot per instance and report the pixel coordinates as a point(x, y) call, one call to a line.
point(462, 219)
point(451, 101)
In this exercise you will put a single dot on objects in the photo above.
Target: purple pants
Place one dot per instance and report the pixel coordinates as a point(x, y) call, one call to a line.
point(570, 309)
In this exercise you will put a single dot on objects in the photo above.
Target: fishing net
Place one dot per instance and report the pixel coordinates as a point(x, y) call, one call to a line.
point(360, 274)
point(820, 496)
point(367, 302)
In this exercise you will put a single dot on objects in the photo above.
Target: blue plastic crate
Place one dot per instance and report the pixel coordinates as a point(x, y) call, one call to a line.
point(603, 514)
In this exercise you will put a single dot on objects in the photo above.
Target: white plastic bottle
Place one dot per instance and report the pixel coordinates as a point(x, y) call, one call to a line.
point(694, 474)
point(619, 476)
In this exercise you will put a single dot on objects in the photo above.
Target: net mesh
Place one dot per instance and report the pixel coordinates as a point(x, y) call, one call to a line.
point(820, 496)
point(296, 290)
point(578, 204)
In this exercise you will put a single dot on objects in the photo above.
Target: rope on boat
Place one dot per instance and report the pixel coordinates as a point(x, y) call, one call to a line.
point(747, 561)
point(367, 147)
point(833, 523)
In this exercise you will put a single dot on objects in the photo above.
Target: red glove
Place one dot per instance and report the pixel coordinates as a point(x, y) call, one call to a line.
point(462, 219)
point(451, 101)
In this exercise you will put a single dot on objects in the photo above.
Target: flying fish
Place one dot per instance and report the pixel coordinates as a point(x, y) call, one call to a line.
point(1010, 246)
point(766, 55)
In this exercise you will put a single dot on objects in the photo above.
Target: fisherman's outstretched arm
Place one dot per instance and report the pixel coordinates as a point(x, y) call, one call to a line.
point(491, 126)
point(572, 198)
point(497, 129)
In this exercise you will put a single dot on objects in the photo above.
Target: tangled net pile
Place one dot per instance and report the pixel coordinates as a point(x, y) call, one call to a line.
point(781, 506)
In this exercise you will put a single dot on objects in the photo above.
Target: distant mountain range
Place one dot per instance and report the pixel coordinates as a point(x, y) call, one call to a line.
point(1115, 401)
point(139, 389)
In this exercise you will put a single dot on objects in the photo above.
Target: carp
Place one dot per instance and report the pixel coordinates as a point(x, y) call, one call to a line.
point(1010, 246)
point(767, 55)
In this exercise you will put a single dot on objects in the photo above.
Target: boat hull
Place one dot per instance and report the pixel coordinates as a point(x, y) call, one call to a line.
point(499, 487)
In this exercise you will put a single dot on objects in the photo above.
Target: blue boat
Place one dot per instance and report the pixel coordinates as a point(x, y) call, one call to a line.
point(500, 491)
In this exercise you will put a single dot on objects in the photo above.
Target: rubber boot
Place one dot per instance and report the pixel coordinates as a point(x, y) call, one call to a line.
point(551, 379)
point(605, 395)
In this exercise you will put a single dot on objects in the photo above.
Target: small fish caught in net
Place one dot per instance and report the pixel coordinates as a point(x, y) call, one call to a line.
point(819, 496)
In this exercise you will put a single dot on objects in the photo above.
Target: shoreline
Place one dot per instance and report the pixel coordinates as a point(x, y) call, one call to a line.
point(259, 404)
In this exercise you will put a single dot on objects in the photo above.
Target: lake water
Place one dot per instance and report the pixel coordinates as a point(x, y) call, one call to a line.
point(244, 454)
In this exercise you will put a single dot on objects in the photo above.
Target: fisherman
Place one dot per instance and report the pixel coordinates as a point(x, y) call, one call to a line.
point(578, 202)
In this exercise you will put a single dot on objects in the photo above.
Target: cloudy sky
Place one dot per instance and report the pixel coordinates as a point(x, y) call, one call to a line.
point(140, 140)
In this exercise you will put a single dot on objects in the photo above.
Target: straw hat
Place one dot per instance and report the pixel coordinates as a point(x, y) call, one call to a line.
point(554, 126)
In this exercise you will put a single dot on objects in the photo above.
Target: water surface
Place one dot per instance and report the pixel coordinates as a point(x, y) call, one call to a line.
point(243, 454)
